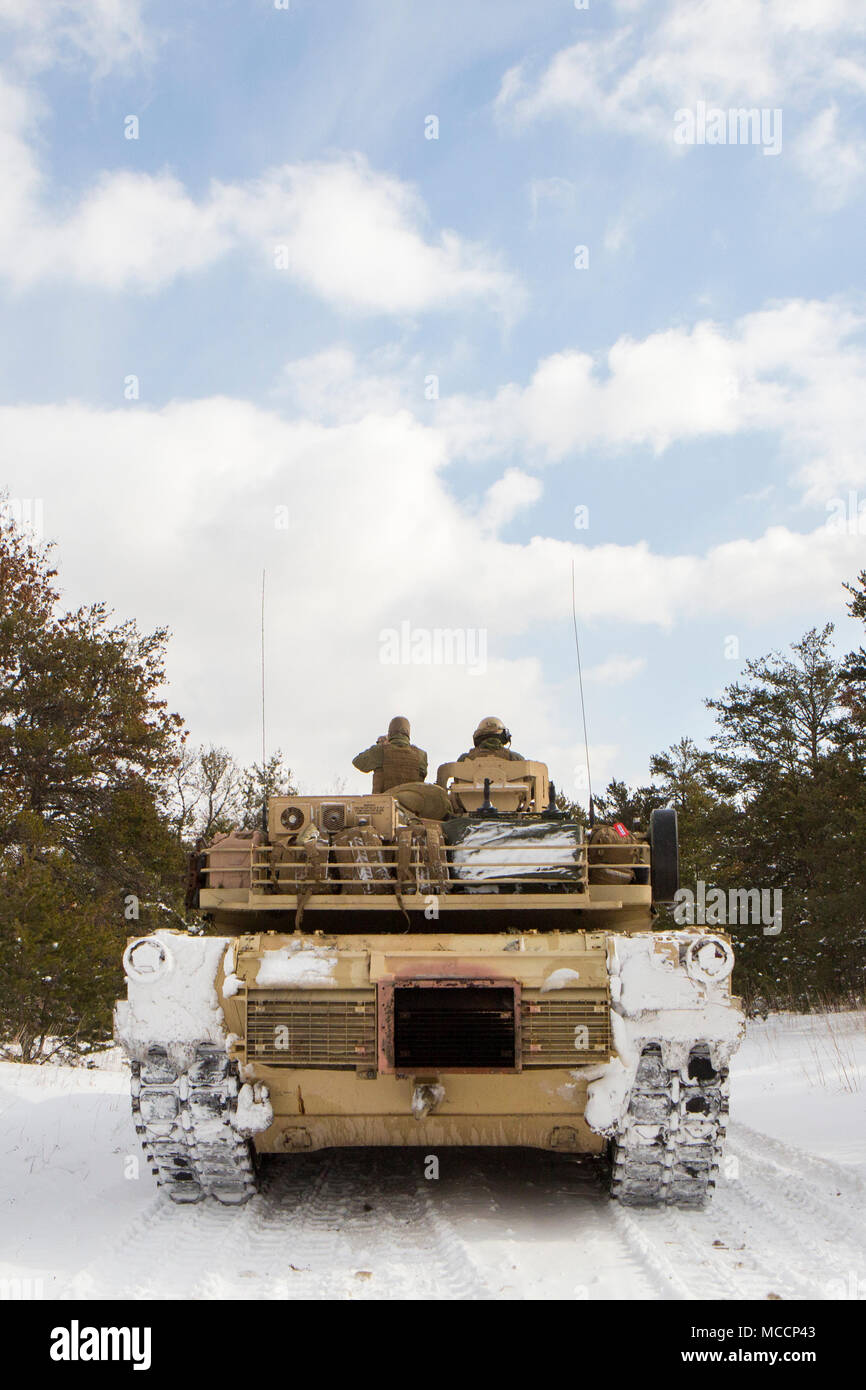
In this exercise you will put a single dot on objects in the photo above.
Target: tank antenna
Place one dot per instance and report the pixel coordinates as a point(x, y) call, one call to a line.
point(582, 702)
point(264, 788)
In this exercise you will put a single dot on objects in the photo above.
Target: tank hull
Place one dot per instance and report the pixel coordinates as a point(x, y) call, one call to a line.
point(372, 980)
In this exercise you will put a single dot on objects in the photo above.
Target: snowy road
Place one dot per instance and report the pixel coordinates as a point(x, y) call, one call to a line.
point(787, 1220)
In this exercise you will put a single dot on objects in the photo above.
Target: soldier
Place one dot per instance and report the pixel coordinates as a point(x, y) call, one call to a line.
point(393, 759)
point(400, 768)
point(490, 740)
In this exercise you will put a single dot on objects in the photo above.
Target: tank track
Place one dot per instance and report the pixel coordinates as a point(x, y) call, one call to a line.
point(184, 1120)
point(667, 1149)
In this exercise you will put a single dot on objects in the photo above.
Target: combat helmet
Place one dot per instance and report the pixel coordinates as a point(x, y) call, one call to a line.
point(491, 727)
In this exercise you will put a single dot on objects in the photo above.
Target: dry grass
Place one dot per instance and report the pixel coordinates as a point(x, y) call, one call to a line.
point(834, 1051)
point(833, 1033)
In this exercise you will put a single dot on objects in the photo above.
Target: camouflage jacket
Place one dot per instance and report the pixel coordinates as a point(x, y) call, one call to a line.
point(410, 763)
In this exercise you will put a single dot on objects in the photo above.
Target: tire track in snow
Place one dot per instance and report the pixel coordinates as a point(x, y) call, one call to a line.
point(702, 1255)
point(396, 1232)
point(539, 1225)
point(822, 1225)
point(366, 1224)
point(157, 1255)
point(826, 1190)
point(773, 1230)
point(343, 1224)
point(648, 1248)
point(347, 1224)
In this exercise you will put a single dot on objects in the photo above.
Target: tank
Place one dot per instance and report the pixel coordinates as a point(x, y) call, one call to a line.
point(369, 976)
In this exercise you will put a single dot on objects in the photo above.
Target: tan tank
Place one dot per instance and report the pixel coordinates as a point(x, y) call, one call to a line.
point(372, 977)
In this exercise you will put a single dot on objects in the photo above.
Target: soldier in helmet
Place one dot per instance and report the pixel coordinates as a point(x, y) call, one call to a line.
point(393, 759)
point(400, 768)
point(491, 739)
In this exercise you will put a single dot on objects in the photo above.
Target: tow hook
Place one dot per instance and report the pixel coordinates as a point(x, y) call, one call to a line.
point(425, 1098)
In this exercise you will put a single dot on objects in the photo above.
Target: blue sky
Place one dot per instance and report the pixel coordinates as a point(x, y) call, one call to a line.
point(698, 387)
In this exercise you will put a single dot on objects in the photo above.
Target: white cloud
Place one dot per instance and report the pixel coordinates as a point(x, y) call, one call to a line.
point(104, 33)
point(616, 670)
point(507, 497)
point(171, 515)
point(835, 163)
point(790, 54)
point(795, 369)
point(352, 235)
point(334, 386)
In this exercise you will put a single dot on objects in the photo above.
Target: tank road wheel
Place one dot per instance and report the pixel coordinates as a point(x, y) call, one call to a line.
point(667, 1149)
point(665, 855)
point(184, 1119)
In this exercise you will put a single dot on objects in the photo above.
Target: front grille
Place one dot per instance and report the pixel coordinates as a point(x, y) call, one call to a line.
point(462, 1027)
point(318, 1030)
point(436, 1028)
point(558, 1032)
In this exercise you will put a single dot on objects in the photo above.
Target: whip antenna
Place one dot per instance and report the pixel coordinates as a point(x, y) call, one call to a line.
point(264, 788)
point(582, 702)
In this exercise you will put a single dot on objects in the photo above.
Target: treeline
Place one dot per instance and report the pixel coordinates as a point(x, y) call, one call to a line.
point(777, 800)
point(102, 796)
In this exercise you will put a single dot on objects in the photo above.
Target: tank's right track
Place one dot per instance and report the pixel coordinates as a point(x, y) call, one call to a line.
point(184, 1118)
point(667, 1149)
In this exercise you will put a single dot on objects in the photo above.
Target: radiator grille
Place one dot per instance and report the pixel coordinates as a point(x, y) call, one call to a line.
point(465, 1028)
point(433, 1028)
point(318, 1030)
point(557, 1031)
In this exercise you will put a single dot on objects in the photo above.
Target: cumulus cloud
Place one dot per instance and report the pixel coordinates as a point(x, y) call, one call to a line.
point(172, 514)
point(508, 497)
point(350, 234)
point(334, 385)
point(790, 54)
point(797, 369)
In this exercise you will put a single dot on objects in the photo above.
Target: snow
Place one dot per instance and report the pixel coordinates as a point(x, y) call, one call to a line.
point(298, 966)
point(560, 979)
point(655, 999)
point(174, 1004)
point(254, 1111)
point(81, 1217)
point(803, 1078)
point(648, 979)
point(231, 982)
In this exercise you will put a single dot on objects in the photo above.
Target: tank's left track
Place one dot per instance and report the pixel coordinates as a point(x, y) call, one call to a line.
point(184, 1118)
point(668, 1147)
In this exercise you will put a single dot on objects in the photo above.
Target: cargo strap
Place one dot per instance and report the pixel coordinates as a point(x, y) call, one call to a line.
point(304, 896)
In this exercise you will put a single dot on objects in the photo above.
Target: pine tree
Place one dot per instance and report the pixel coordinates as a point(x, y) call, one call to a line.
point(86, 746)
point(794, 786)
